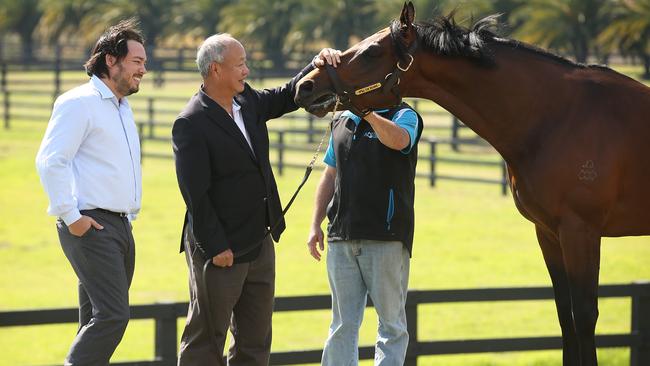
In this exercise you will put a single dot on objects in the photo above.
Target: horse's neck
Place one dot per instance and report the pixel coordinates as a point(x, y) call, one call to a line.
point(503, 104)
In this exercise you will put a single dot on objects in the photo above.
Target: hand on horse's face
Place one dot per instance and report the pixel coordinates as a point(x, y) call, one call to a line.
point(329, 56)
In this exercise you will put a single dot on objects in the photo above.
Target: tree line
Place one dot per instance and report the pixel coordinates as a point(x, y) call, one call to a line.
point(580, 29)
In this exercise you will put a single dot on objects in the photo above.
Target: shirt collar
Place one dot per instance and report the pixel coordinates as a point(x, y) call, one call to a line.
point(235, 106)
point(211, 103)
point(103, 89)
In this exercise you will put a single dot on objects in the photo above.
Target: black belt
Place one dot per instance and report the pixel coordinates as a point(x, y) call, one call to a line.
point(119, 214)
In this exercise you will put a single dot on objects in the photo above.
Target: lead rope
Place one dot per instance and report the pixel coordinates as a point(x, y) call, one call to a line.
point(204, 284)
point(308, 170)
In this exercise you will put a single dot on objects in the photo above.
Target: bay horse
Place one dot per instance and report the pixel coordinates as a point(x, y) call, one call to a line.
point(576, 138)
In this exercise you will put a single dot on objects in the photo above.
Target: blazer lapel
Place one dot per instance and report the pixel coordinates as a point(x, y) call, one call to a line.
point(222, 119)
point(249, 122)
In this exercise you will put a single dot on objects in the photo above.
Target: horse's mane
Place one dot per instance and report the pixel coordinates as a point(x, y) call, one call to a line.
point(444, 36)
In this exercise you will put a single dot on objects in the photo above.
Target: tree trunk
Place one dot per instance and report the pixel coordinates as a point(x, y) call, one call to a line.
point(580, 49)
point(646, 66)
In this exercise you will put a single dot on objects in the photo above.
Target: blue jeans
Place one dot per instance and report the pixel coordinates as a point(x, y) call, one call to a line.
point(358, 268)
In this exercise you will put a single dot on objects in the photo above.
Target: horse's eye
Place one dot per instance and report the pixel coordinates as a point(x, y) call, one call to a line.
point(374, 50)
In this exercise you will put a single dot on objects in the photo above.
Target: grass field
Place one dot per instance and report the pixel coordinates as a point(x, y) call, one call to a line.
point(467, 236)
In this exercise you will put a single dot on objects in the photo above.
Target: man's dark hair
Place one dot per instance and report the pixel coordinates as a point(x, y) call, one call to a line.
point(113, 42)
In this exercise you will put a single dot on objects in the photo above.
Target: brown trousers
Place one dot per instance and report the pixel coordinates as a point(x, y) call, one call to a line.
point(241, 297)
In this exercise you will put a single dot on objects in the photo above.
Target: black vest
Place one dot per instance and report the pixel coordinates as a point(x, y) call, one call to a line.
point(374, 190)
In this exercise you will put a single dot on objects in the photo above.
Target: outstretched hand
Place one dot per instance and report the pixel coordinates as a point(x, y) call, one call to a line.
point(329, 56)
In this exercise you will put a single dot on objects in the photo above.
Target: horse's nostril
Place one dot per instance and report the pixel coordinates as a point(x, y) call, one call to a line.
point(307, 86)
point(304, 89)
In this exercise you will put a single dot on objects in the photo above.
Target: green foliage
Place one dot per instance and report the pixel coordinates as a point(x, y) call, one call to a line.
point(21, 17)
point(262, 25)
point(629, 31)
point(277, 29)
point(200, 18)
point(569, 26)
point(335, 22)
point(65, 17)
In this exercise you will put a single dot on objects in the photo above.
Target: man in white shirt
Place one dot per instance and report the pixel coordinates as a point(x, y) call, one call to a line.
point(89, 164)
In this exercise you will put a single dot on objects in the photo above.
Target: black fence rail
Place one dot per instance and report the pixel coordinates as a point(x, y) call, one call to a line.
point(166, 332)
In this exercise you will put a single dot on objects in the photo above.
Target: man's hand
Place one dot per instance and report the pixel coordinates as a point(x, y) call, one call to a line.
point(223, 259)
point(327, 55)
point(316, 236)
point(81, 226)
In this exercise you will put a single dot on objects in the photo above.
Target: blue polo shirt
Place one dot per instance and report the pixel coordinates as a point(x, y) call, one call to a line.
point(404, 118)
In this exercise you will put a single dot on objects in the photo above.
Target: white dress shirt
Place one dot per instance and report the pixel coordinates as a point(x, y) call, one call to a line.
point(239, 121)
point(90, 154)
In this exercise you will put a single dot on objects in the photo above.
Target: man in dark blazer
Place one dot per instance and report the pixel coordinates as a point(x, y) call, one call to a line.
point(221, 148)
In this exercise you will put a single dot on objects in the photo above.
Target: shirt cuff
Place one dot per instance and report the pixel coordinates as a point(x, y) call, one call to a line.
point(71, 216)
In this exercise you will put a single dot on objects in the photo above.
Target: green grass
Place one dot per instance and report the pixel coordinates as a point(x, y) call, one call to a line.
point(467, 236)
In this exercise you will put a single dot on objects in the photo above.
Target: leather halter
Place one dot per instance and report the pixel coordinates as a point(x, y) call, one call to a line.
point(390, 84)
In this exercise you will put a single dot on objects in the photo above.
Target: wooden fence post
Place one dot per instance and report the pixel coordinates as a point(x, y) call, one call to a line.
point(180, 60)
point(166, 334)
point(504, 178)
point(412, 327)
point(432, 163)
point(141, 139)
point(280, 151)
point(151, 114)
point(640, 354)
point(158, 78)
point(310, 126)
point(57, 71)
point(3, 87)
point(455, 126)
point(3, 76)
point(6, 105)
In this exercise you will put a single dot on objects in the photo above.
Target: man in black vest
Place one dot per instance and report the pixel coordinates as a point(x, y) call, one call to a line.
point(221, 148)
point(368, 192)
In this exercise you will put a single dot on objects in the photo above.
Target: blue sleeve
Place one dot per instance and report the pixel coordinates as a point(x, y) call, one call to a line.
point(330, 158)
point(407, 119)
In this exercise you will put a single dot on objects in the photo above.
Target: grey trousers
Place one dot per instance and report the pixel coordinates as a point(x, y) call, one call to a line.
point(104, 261)
point(241, 297)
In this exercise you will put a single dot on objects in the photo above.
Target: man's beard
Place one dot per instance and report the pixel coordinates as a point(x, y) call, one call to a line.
point(122, 83)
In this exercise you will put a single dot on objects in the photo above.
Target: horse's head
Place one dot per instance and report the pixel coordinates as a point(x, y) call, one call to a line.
point(368, 76)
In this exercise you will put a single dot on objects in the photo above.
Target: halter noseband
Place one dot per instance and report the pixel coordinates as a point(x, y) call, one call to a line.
point(389, 84)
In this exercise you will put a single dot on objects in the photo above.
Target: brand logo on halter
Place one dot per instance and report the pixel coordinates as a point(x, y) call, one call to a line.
point(367, 89)
point(588, 171)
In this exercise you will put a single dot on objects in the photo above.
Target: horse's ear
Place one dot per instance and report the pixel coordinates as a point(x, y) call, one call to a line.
point(407, 16)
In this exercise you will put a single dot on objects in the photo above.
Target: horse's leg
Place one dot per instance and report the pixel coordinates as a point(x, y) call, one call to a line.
point(552, 252)
point(581, 251)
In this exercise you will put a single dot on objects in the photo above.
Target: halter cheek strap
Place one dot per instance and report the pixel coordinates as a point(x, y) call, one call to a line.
point(343, 95)
point(390, 84)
